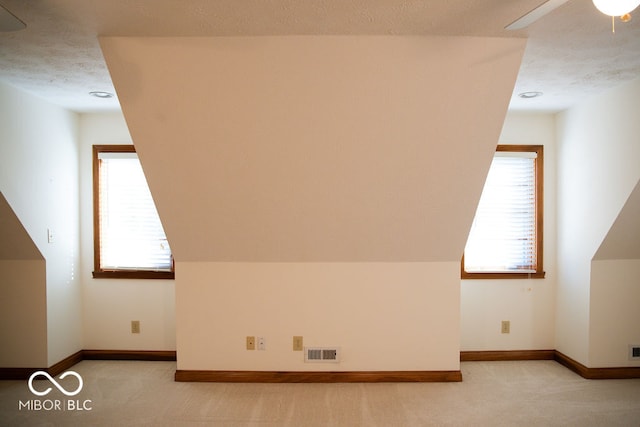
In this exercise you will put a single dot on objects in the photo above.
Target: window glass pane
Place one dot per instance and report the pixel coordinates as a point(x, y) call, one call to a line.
point(503, 234)
point(131, 234)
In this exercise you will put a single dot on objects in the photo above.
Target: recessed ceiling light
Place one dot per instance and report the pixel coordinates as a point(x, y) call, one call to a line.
point(529, 95)
point(101, 94)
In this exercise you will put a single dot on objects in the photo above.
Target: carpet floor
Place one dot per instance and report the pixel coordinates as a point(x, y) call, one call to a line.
point(131, 393)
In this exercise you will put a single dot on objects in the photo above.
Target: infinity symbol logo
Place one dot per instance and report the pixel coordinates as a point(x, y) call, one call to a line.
point(55, 383)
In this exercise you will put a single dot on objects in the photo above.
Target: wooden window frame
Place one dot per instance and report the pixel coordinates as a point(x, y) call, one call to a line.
point(98, 272)
point(539, 181)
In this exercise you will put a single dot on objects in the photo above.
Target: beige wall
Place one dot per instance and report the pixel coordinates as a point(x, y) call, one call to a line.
point(39, 179)
point(23, 314)
point(598, 168)
point(615, 294)
point(301, 172)
point(23, 309)
point(110, 305)
point(528, 304)
point(384, 316)
point(307, 149)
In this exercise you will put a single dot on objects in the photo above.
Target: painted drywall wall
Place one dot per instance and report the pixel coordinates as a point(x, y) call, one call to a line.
point(528, 304)
point(39, 179)
point(615, 291)
point(318, 148)
point(15, 243)
point(110, 305)
point(598, 168)
point(23, 314)
point(623, 239)
point(615, 288)
point(300, 172)
point(384, 316)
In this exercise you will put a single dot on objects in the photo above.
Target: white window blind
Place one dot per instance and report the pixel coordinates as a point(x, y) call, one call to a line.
point(503, 234)
point(131, 234)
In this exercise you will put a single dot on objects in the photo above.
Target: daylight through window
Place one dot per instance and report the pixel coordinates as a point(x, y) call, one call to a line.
point(129, 237)
point(506, 236)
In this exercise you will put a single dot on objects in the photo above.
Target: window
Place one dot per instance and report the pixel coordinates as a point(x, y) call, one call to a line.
point(505, 240)
point(129, 241)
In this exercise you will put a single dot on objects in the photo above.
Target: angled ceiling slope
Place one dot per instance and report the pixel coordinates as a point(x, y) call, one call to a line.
point(623, 239)
point(15, 242)
point(315, 148)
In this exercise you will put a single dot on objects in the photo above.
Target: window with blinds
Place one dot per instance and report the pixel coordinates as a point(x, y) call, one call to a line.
point(129, 240)
point(505, 240)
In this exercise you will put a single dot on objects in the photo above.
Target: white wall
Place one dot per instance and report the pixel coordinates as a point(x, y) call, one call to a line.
point(23, 281)
point(598, 167)
point(319, 186)
point(23, 314)
point(384, 316)
point(39, 179)
point(318, 148)
point(615, 294)
point(528, 304)
point(110, 305)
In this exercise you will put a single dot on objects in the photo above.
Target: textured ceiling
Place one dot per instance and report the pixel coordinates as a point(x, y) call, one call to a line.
point(571, 52)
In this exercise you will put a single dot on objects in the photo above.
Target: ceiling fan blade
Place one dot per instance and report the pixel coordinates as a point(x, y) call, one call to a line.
point(9, 22)
point(537, 13)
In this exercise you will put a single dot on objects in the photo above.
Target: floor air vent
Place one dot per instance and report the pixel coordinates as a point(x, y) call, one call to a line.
point(322, 354)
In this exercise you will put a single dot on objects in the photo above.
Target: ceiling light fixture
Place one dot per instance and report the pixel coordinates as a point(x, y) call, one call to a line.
point(101, 94)
point(613, 8)
point(616, 7)
point(530, 95)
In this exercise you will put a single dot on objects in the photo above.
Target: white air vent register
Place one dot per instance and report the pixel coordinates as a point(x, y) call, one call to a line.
point(322, 354)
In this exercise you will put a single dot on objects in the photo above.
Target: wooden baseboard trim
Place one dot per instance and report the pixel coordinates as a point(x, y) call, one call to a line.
point(494, 356)
point(56, 369)
point(160, 356)
point(577, 367)
point(317, 377)
point(65, 364)
point(68, 362)
point(325, 377)
point(13, 374)
point(597, 373)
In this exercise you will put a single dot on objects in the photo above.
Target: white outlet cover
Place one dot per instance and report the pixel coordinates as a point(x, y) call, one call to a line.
point(261, 343)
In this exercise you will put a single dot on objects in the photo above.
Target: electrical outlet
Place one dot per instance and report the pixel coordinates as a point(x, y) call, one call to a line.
point(297, 343)
point(261, 343)
point(251, 343)
point(135, 326)
point(506, 326)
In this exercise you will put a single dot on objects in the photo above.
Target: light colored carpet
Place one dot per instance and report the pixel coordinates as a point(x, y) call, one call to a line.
point(536, 393)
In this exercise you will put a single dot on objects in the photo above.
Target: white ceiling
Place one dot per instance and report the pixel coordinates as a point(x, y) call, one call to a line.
point(571, 53)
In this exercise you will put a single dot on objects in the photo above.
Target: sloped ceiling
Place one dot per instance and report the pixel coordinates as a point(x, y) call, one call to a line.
point(315, 148)
point(623, 239)
point(15, 242)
